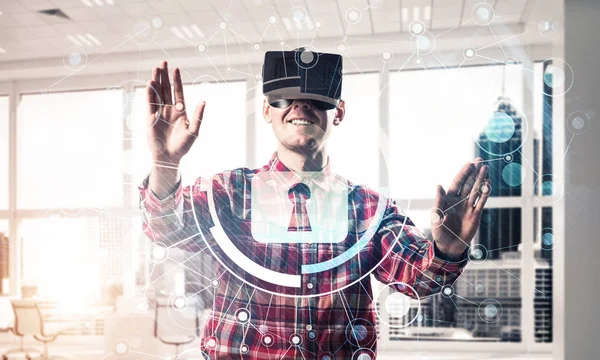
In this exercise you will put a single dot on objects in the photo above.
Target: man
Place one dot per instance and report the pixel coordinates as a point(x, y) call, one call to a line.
point(329, 313)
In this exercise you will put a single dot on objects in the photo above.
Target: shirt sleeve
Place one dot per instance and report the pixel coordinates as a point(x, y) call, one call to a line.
point(408, 257)
point(182, 217)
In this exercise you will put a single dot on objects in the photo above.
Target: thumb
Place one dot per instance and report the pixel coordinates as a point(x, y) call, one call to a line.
point(440, 198)
point(197, 120)
point(437, 212)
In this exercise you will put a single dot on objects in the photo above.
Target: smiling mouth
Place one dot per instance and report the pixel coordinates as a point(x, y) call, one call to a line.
point(300, 122)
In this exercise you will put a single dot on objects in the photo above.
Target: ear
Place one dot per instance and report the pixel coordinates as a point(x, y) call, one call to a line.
point(340, 111)
point(266, 111)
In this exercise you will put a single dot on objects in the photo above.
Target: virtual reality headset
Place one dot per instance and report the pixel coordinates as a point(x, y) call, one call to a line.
point(302, 74)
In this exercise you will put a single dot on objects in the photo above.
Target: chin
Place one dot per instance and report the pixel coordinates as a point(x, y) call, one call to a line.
point(304, 143)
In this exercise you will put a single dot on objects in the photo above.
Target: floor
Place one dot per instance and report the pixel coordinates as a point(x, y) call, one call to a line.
point(92, 349)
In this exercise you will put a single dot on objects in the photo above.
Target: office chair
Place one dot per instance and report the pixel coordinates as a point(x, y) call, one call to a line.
point(7, 321)
point(176, 327)
point(29, 321)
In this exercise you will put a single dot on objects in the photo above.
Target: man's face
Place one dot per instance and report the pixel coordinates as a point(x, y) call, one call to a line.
point(298, 135)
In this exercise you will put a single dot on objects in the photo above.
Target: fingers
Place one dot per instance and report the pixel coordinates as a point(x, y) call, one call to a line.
point(481, 176)
point(195, 123)
point(467, 186)
point(460, 178)
point(151, 97)
point(165, 84)
point(485, 193)
point(178, 87)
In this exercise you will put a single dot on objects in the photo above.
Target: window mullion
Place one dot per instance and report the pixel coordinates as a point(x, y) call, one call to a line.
point(527, 221)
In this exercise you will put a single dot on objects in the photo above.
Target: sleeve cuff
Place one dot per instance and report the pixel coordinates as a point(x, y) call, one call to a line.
point(442, 256)
point(155, 199)
point(441, 263)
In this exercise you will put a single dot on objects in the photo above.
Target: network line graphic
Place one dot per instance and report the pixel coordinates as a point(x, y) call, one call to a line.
point(501, 140)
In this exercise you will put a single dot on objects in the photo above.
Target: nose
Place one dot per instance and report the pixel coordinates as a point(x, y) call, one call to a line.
point(302, 103)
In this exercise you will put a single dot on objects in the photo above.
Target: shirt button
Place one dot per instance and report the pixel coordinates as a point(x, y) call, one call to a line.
point(309, 285)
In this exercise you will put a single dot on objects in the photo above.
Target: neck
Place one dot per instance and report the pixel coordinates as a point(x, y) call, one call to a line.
point(301, 161)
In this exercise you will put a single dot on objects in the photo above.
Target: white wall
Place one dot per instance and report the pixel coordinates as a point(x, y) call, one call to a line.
point(582, 192)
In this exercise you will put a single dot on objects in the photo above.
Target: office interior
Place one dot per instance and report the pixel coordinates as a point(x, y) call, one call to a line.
point(428, 85)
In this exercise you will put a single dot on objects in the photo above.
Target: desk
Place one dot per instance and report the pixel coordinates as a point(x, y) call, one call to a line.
point(136, 331)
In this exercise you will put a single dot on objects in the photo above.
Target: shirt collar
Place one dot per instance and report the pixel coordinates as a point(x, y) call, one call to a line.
point(325, 178)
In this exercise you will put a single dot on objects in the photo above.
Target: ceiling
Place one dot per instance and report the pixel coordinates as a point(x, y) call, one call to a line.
point(101, 26)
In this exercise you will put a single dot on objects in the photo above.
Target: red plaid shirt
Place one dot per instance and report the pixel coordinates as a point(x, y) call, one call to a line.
point(290, 324)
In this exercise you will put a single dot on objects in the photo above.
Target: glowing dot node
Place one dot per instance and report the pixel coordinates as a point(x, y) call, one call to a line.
point(482, 14)
point(307, 57)
point(121, 348)
point(416, 28)
point(158, 253)
point(478, 253)
point(157, 22)
point(469, 53)
point(201, 48)
point(268, 340)
point(243, 315)
point(298, 15)
point(353, 15)
point(397, 305)
point(179, 302)
point(386, 55)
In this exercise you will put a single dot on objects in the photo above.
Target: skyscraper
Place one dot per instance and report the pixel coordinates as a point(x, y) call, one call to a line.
point(500, 229)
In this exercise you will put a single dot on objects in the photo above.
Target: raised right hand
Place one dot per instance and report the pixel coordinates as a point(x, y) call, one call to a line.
point(171, 133)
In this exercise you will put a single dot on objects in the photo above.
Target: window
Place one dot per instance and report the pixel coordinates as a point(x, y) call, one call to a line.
point(61, 259)
point(438, 121)
point(436, 117)
point(354, 144)
point(69, 148)
point(221, 143)
point(266, 142)
point(4, 152)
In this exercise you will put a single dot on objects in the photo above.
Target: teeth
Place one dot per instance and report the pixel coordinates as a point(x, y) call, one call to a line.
point(300, 122)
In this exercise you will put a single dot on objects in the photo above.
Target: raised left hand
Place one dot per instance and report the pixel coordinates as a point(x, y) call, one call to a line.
point(459, 210)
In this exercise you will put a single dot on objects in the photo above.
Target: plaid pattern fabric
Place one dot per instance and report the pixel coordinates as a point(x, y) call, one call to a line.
point(255, 319)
